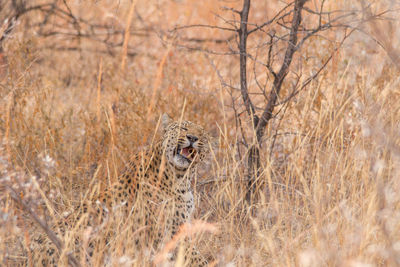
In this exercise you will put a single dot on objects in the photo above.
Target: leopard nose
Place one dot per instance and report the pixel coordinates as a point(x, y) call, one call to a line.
point(192, 138)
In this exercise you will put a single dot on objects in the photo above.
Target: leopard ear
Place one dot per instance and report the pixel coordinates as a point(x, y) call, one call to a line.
point(165, 121)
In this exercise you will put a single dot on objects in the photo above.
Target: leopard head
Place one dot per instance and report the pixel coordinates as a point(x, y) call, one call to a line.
point(185, 143)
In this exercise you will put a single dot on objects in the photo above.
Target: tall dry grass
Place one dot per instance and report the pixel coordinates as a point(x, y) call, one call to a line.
point(70, 120)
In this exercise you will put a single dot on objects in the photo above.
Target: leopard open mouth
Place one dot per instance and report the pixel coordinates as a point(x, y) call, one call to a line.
point(187, 152)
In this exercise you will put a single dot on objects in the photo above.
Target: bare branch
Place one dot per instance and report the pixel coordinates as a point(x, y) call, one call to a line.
point(322, 27)
point(209, 40)
point(244, 16)
point(290, 50)
point(52, 236)
point(278, 15)
point(202, 26)
point(11, 21)
point(231, 9)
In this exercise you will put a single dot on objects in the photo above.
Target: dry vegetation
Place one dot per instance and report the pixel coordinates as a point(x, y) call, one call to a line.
point(73, 110)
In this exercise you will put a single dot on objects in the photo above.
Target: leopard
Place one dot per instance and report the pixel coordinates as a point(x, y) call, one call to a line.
point(158, 183)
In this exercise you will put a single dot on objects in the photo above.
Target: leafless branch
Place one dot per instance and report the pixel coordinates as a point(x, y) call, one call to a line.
point(231, 9)
point(316, 74)
point(290, 50)
point(244, 17)
point(15, 15)
point(52, 236)
point(282, 36)
point(58, 19)
point(202, 26)
point(278, 15)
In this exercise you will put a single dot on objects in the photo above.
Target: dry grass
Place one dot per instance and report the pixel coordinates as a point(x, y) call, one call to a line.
point(70, 120)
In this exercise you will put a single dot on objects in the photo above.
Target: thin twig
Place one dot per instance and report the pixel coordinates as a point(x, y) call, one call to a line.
point(52, 236)
point(278, 81)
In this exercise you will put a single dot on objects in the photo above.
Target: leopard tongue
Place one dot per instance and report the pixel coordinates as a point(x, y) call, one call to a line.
point(186, 152)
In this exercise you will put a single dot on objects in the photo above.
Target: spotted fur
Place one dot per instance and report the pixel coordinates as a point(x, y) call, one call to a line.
point(158, 182)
